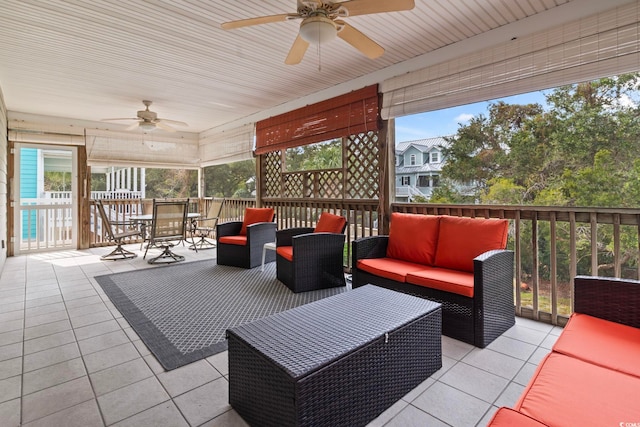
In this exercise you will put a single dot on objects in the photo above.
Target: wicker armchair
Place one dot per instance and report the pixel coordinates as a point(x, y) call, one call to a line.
point(312, 258)
point(240, 243)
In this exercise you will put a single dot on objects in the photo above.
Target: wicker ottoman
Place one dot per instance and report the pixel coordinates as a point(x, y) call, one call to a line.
point(340, 361)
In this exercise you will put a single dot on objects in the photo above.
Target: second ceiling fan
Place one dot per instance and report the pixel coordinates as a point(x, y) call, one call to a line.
point(323, 20)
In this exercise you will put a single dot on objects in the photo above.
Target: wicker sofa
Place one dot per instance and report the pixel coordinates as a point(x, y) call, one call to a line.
point(459, 262)
point(591, 376)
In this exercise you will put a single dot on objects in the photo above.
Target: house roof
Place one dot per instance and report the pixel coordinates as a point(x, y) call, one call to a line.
point(423, 145)
point(100, 59)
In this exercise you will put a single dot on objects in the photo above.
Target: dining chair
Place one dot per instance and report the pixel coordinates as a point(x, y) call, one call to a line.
point(205, 228)
point(117, 232)
point(168, 227)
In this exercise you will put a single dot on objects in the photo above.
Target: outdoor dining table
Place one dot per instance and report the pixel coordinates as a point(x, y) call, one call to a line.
point(145, 219)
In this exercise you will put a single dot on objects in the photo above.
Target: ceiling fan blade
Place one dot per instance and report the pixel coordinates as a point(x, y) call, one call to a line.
point(172, 122)
point(360, 41)
point(123, 118)
point(164, 126)
point(133, 126)
point(257, 21)
point(365, 7)
point(297, 51)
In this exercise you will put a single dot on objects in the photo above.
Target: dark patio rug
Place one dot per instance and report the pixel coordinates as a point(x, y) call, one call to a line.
point(182, 311)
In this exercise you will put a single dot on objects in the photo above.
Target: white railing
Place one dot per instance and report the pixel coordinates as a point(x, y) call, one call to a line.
point(115, 194)
point(45, 226)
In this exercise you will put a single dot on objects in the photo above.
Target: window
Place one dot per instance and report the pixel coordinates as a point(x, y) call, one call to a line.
point(435, 157)
point(412, 160)
point(423, 181)
point(435, 180)
point(405, 180)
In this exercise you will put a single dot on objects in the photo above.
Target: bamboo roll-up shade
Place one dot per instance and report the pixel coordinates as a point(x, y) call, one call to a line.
point(345, 115)
point(598, 46)
point(227, 146)
point(149, 150)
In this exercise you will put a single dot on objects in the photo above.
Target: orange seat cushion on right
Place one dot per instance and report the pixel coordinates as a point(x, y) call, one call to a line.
point(463, 239)
point(454, 281)
point(507, 417)
point(286, 252)
point(330, 223)
point(413, 237)
point(602, 342)
point(233, 240)
point(389, 268)
point(565, 391)
point(254, 216)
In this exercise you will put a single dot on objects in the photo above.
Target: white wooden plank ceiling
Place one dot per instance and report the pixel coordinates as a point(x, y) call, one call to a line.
point(99, 58)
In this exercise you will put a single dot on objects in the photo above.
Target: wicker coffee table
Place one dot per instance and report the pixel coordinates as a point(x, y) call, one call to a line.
point(340, 361)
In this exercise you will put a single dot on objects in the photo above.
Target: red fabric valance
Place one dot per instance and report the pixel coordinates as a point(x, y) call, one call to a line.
point(345, 115)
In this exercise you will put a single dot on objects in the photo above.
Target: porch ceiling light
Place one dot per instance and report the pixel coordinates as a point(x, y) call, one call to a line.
point(147, 126)
point(318, 30)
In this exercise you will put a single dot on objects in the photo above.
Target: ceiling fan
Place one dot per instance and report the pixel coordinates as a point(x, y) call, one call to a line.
point(148, 120)
point(323, 20)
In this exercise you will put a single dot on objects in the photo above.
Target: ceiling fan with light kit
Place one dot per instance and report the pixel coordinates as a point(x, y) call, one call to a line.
point(322, 21)
point(148, 120)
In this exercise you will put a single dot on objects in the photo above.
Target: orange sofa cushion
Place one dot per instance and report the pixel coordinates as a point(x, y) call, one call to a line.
point(286, 252)
point(507, 417)
point(255, 215)
point(566, 391)
point(602, 342)
point(330, 223)
point(413, 237)
point(463, 239)
point(389, 268)
point(457, 282)
point(233, 240)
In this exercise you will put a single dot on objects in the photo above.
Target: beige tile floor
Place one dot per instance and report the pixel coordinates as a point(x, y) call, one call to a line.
point(68, 358)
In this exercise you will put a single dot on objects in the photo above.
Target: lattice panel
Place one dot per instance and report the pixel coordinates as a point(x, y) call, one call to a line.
point(329, 184)
point(294, 185)
point(272, 167)
point(363, 166)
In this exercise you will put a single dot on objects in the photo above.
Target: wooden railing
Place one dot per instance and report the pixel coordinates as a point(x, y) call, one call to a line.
point(551, 244)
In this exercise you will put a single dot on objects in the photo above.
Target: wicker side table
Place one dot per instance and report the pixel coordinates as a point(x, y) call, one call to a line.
point(340, 361)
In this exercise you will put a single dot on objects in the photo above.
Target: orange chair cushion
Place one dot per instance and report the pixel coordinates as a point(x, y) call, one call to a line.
point(286, 252)
point(233, 240)
point(601, 342)
point(565, 391)
point(389, 268)
point(255, 215)
point(457, 282)
point(507, 417)
point(413, 237)
point(330, 223)
point(463, 239)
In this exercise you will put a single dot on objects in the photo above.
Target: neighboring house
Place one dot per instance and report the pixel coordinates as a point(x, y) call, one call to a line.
point(418, 166)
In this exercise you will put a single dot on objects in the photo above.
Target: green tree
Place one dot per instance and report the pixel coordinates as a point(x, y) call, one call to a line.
point(230, 180)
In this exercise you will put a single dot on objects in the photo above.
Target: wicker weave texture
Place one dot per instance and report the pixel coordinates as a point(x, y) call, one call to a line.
point(317, 260)
point(338, 361)
point(250, 255)
point(608, 298)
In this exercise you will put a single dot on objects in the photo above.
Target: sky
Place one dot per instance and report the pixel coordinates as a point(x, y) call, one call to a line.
point(446, 122)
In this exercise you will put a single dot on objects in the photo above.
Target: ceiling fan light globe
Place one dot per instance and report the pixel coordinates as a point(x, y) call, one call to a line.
point(318, 30)
point(147, 126)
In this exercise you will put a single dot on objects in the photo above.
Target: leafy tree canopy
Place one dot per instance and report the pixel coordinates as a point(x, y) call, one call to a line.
point(580, 150)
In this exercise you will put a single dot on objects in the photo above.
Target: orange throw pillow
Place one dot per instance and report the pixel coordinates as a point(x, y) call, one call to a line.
point(413, 237)
point(463, 239)
point(255, 215)
point(330, 223)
